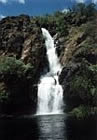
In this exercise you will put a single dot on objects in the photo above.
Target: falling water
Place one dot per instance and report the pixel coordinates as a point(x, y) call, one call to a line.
point(50, 93)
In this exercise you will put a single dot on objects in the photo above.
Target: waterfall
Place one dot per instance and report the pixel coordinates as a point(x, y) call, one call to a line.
point(50, 93)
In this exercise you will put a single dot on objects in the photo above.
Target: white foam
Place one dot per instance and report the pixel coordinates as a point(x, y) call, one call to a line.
point(50, 92)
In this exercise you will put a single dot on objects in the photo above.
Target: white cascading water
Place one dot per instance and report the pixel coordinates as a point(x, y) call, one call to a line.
point(50, 93)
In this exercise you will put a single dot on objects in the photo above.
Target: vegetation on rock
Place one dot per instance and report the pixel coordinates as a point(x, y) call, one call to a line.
point(23, 58)
point(80, 59)
point(16, 81)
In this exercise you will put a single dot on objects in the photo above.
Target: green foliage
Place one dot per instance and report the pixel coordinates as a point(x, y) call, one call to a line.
point(47, 21)
point(83, 9)
point(3, 93)
point(91, 9)
point(61, 26)
point(3, 97)
point(87, 44)
point(83, 84)
point(81, 13)
point(93, 68)
point(11, 66)
point(81, 112)
point(91, 33)
point(60, 22)
point(84, 53)
point(15, 78)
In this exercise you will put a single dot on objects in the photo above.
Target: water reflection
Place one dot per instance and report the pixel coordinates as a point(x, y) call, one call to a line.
point(53, 127)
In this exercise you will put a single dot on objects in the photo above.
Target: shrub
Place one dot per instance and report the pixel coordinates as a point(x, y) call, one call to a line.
point(17, 78)
point(81, 112)
point(12, 66)
point(83, 84)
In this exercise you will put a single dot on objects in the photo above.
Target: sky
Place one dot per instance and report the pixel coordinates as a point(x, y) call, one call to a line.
point(35, 7)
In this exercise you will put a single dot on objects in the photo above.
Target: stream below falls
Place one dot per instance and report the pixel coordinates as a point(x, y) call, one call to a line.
point(47, 127)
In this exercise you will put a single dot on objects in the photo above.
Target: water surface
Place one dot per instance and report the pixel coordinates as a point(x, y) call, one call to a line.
point(49, 127)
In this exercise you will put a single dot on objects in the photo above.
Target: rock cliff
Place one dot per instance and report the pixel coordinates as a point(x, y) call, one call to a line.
point(23, 59)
